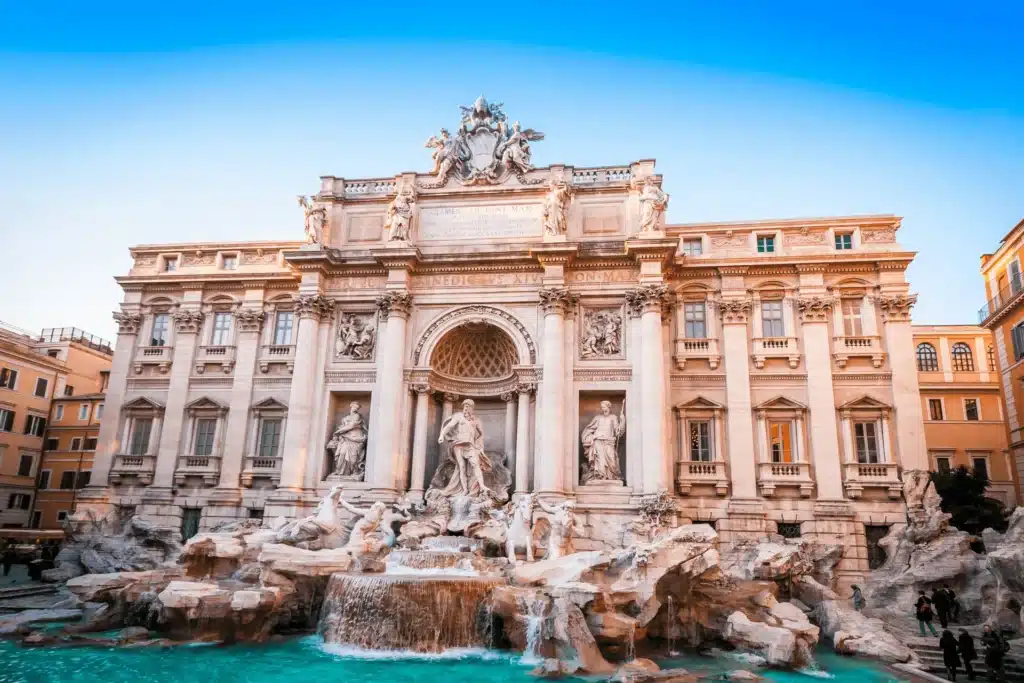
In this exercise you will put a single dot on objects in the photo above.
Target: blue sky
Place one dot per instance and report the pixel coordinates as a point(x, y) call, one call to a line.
point(123, 124)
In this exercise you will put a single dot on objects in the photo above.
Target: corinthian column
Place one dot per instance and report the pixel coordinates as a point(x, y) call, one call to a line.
point(383, 469)
point(249, 322)
point(522, 461)
point(550, 463)
point(417, 485)
point(742, 468)
point(650, 301)
point(906, 401)
point(311, 309)
point(188, 323)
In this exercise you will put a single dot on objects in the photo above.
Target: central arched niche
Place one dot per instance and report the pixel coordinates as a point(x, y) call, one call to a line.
point(475, 351)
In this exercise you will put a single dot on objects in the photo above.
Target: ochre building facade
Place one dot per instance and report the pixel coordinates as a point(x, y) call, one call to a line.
point(762, 373)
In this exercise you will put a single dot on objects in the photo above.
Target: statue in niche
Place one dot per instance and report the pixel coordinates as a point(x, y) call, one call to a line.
point(563, 523)
point(603, 330)
point(601, 444)
point(355, 337)
point(316, 218)
point(348, 445)
point(556, 208)
point(467, 470)
point(514, 152)
point(653, 202)
point(399, 216)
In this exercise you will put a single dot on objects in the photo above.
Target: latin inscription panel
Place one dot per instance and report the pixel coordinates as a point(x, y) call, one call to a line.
point(480, 222)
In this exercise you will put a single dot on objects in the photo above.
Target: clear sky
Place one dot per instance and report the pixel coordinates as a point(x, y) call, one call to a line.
point(130, 123)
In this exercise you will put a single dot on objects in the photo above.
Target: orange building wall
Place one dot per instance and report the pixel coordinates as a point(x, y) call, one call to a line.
point(61, 455)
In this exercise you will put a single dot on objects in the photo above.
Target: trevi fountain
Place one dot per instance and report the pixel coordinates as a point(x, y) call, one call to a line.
point(470, 572)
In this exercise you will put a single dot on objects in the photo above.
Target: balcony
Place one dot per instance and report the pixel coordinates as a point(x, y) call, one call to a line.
point(776, 347)
point(702, 473)
point(1001, 301)
point(771, 475)
point(153, 355)
point(205, 466)
point(883, 475)
point(140, 467)
point(219, 355)
point(277, 353)
point(697, 349)
point(257, 467)
point(845, 348)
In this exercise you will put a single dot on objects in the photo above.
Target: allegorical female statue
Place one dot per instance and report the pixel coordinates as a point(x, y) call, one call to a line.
point(348, 444)
point(601, 444)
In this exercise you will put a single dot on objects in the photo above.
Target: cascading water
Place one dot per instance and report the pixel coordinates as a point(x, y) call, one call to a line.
point(534, 631)
point(406, 612)
point(671, 630)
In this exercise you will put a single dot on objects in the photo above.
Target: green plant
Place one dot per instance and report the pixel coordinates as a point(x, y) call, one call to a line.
point(963, 496)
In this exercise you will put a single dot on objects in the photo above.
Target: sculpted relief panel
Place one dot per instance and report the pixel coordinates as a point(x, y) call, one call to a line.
point(601, 334)
point(357, 336)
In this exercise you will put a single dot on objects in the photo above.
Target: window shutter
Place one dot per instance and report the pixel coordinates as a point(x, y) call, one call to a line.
point(25, 501)
point(83, 478)
point(9, 426)
point(67, 480)
point(44, 479)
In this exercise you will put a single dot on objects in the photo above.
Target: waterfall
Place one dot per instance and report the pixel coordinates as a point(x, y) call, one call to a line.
point(406, 612)
point(534, 630)
point(671, 627)
point(631, 643)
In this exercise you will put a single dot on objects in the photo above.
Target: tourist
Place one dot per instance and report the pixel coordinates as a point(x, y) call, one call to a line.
point(995, 651)
point(949, 653)
point(923, 608)
point(967, 652)
point(8, 560)
point(954, 605)
point(940, 600)
point(858, 599)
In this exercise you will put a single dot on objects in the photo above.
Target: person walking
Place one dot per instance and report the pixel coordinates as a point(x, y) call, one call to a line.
point(940, 600)
point(967, 652)
point(8, 560)
point(954, 605)
point(995, 651)
point(950, 657)
point(923, 609)
point(858, 599)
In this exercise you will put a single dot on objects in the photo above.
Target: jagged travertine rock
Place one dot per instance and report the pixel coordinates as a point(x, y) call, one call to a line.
point(103, 546)
point(853, 633)
point(12, 623)
point(776, 644)
point(110, 587)
point(207, 611)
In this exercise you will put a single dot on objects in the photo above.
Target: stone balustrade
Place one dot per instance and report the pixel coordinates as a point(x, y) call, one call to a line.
point(601, 176)
point(140, 467)
point(775, 347)
point(277, 353)
point(223, 355)
point(862, 346)
point(688, 348)
point(205, 466)
point(690, 473)
point(160, 356)
point(771, 475)
point(257, 467)
point(883, 475)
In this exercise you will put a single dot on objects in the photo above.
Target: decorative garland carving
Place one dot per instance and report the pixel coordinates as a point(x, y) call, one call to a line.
point(477, 311)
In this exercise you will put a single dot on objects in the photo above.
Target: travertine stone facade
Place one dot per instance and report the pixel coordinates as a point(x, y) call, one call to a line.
point(758, 371)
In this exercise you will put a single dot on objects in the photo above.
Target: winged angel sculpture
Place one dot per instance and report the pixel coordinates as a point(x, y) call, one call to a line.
point(485, 150)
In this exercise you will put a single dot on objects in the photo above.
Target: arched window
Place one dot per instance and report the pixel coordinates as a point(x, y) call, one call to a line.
point(962, 358)
point(927, 359)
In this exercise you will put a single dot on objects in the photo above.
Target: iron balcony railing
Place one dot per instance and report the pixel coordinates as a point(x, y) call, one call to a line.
point(1001, 300)
point(58, 334)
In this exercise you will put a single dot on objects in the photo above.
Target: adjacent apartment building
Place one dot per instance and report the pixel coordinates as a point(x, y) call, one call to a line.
point(34, 370)
point(1003, 315)
point(964, 417)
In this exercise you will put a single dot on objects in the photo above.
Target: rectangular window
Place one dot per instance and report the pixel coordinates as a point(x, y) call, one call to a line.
point(229, 261)
point(270, 438)
point(19, 501)
point(221, 329)
point(62, 515)
point(52, 444)
point(980, 466)
point(170, 265)
point(25, 465)
point(935, 409)
point(205, 429)
point(765, 244)
point(59, 415)
point(771, 319)
point(89, 444)
point(6, 420)
point(694, 315)
point(44, 479)
point(283, 323)
point(853, 322)
point(67, 480)
point(788, 529)
point(76, 443)
point(140, 435)
point(1015, 279)
point(255, 513)
point(844, 241)
point(971, 411)
point(943, 463)
point(41, 386)
point(867, 442)
point(35, 425)
point(8, 378)
point(84, 477)
point(53, 353)
point(161, 330)
point(99, 412)
point(69, 390)
point(693, 247)
point(781, 440)
point(700, 441)
point(83, 411)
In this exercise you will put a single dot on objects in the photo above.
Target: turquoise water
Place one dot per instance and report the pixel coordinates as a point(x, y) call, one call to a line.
point(307, 660)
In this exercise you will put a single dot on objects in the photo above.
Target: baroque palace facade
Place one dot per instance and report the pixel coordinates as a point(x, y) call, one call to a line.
point(763, 373)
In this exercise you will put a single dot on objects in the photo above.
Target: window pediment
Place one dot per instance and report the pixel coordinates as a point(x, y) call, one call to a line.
point(865, 403)
point(143, 405)
point(700, 403)
point(269, 405)
point(781, 403)
point(206, 404)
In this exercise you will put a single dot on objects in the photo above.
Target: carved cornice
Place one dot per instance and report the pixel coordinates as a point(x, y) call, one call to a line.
point(509, 396)
point(420, 388)
point(558, 300)
point(188, 321)
point(526, 388)
point(734, 311)
point(733, 270)
point(395, 304)
point(815, 309)
point(127, 323)
point(812, 267)
point(315, 306)
point(896, 308)
point(893, 265)
point(250, 319)
point(647, 299)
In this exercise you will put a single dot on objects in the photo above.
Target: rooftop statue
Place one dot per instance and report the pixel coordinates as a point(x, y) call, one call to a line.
point(315, 219)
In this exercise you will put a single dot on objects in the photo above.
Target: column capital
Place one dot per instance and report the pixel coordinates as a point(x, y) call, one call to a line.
point(448, 396)
point(647, 298)
point(250, 319)
point(188, 321)
point(734, 311)
point(896, 308)
point(558, 300)
point(420, 388)
point(509, 396)
point(526, 388)
point(815, 309)
point(127, 323)
point(315, 306)
point(395, 303)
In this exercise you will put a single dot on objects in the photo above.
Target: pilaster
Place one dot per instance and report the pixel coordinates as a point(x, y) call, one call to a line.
point(734, 314)
point(248, 323)
point(384, 467)
point(555, 303)
point(899, 340)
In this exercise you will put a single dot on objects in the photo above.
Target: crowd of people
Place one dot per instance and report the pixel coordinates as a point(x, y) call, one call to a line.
point(959, 652)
